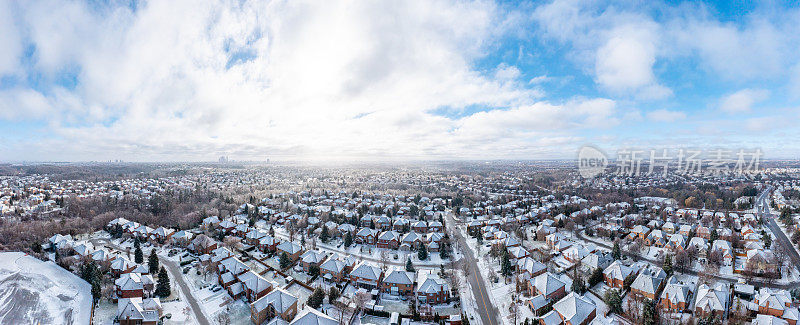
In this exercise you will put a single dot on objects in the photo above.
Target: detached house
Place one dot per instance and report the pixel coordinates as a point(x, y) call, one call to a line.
point(431, 289)
point(398, 282)
point(277, 303)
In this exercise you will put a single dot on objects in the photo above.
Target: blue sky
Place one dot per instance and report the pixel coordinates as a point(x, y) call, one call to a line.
point(189, 80)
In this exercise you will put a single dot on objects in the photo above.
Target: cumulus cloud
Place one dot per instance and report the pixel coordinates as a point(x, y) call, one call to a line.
point(266, 78)
point(743, 100)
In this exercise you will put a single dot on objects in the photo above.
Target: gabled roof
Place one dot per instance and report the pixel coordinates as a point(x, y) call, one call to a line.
point(617, 271)
point(398, 276)
point(547, 283)
point(311, 316)
point(574, 308)
point(366, 271)
point(279, 299)
point(429, 282)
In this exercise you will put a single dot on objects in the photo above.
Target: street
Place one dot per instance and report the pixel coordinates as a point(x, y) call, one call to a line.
point(475, 279)
point(762, 204)
point(175, 270)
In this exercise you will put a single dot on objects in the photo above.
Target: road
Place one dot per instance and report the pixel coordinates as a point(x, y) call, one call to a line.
point(479, 291)
point(762, 203)
point(175, 270)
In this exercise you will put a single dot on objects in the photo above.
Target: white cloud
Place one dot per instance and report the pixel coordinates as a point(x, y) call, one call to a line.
point(664, 115)
point(192, 80)
point(743, 100)
point(10, 41)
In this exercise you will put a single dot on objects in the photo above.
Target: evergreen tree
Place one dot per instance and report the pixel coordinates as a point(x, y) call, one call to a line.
point(152, 261)
point(317, 298)
point(323, 236)
point(136, 242)
point(578, 286)
point(409, 266)
point(616, 252)
point(422, 253)
point(613, 300)
point(163, 288)
point(138, 255)
point(348, 239)
point(313, 270)
point(271, 231)
point(667, 266)
point(505, 264)
point(596, 277)
point(649, 313)
point(333, 294)
point(444, 251)
point(285, 261)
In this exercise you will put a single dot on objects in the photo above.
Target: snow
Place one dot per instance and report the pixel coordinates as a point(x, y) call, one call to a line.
point(32, 291)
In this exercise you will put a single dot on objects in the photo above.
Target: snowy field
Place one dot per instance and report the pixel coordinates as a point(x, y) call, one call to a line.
point(32, 291)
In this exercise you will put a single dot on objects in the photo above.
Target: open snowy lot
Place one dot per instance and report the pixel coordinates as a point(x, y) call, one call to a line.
point(32, 291)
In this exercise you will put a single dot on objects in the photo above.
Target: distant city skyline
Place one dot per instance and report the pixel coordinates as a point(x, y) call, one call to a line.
point(393, 81)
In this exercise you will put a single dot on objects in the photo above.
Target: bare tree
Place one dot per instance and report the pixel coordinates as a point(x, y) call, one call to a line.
point(385, 259)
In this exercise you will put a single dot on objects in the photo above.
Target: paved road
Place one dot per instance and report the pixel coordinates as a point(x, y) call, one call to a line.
point(175, 269)
point(764, 213)
point(479, 291)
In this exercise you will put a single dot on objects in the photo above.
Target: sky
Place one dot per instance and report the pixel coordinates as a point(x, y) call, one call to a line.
point(190, 80)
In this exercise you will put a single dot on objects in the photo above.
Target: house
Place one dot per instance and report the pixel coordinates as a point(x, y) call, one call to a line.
point(267, 244)
point(292, 249)
point(676, 242)
point(575, 253)
point(711, 300)
point(398, 282)
point(725, 248)
point(685, 230)
point(162, 235)
point(518, 253)
point(121, 265)
point(336, 268)
point(366, 236)
point(548, 285)
point(655, 238)
point(531, 267)
point(388, 239)
point(700, 244)
point(311, 257)
point(776, 302)
point(649, 282)
point(640, 231)
point(413, 240)
point(575, 309)
point(132, 285)
point(138, 311)
point(420, 227)
point(255, 286)
point(252, 237)
point(676, 296)
point(311, 316)
point(181, 238)
point(277, 303)
point(614, 275)
point(768, 320)
point(431, 289)
point(366, 275)
point(597, 260)
point(202, 244)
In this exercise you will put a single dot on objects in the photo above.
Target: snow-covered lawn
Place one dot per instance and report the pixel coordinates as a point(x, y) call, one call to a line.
point(32, 291)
